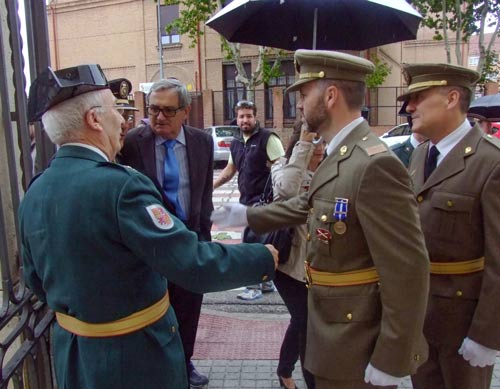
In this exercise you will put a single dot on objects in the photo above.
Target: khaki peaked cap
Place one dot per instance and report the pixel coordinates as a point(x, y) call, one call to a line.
point(322, 64)
point(423, 76)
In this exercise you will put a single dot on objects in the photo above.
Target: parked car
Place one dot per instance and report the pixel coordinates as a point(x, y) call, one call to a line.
point(397, 134)
point(222, 136)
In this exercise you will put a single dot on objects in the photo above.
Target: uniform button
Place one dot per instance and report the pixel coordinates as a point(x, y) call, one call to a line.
point(265, 277)
point(324, 218)
point(416, 357)
point(173, 329)
point(459, 293)
point(449, 203)
point(349, 316)
point(420, 199)
point(308, 237)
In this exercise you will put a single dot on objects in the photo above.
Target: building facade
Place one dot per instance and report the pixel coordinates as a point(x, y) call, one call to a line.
point(122, 36)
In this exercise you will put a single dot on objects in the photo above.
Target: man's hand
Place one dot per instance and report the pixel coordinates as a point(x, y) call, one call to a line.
point(230, 215)
point(377, 377)
point(476, 354)
point(306, 135)
point(274, 252)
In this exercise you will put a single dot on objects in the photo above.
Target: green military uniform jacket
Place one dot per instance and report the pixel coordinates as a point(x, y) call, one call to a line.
point(98, 245)
point(380, 323)
point(403, 151)
point(459, 207)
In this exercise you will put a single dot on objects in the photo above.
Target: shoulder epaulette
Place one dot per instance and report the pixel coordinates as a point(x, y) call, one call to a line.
point(492, 139)
point(372, 145)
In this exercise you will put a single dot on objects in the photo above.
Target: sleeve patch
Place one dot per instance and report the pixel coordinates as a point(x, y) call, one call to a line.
point(160, 217)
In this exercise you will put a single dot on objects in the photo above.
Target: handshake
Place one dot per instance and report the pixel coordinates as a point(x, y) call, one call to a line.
point(235, 215)
point(230, 215)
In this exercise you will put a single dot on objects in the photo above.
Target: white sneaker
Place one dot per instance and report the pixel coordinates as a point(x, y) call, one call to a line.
point(250, 294)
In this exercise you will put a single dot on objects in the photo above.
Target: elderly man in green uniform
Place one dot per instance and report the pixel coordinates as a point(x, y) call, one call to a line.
point(366, 259)
point(456, 179)
point(98, 247)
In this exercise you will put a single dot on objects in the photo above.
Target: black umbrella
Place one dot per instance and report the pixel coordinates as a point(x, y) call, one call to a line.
point(317, 24)
point(486, 108)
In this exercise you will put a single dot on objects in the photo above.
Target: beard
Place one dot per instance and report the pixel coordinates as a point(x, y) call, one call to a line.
point(317, 117)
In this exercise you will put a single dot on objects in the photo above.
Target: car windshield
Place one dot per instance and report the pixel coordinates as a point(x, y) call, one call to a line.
point(226, 131)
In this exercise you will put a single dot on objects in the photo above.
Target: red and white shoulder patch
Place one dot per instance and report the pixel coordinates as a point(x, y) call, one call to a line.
point(160, 217)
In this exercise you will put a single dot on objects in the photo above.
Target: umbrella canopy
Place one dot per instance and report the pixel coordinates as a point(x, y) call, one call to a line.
point(317, 24)
point(486, 108)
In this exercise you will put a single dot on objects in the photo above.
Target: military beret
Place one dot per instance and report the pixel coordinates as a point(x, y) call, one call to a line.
point(121, 88)
point(423, 76)
point(322, 64)
point(53, 87)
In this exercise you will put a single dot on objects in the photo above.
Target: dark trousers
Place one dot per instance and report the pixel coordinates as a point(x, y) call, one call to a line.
point(294, 295)
point(187, 307)
point(446, 369)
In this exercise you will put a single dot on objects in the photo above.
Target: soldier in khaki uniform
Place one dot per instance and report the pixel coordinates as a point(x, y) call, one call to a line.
point(366, 259)
point(457, 189)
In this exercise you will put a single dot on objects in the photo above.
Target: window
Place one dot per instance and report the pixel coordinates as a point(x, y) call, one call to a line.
point(284, 81)
point(168, 13)
point(473, 60)
point(233, 91)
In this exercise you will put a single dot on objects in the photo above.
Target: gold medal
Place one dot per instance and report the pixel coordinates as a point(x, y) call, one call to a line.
point(339, 227)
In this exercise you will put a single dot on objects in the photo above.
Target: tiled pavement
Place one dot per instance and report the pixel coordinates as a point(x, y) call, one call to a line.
point(240, 350)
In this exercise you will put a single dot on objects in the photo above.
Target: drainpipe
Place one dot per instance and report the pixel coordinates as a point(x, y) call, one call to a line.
point(198, 84)
point(54, 33)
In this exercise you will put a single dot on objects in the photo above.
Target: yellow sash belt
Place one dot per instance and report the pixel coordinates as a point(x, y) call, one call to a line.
point(463, 267)
point(355, 277)
point(122, 326)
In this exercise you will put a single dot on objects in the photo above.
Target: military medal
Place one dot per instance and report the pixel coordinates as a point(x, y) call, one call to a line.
point(323, 235)
point(340, 214)
point(339, 227)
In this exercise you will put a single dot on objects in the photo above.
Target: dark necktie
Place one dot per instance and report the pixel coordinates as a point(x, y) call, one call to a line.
point(171, 178)
point(431, 162)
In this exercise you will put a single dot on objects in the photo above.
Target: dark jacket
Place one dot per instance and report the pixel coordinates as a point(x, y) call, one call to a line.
point(250, 159)
point(139, 152)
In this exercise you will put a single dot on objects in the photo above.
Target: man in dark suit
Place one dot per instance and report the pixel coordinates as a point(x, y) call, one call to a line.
point(456, 179)
point(145, 149)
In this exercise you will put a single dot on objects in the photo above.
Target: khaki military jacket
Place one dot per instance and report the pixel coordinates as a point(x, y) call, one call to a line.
point(459, 207)
point(380, 323)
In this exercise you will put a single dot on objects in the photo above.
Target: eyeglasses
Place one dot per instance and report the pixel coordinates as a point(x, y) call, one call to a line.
point(245, 104)
point(166, 111)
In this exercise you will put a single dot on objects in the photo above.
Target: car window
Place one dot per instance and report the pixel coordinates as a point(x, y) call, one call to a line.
point(226, 131)
point(402, 129)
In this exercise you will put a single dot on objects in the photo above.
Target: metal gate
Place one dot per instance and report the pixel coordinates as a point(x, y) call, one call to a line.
point(25, 322)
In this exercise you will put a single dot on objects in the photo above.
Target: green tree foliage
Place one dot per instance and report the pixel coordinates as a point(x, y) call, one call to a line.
point(382, 70)
point(192, 15)
point(463, 18)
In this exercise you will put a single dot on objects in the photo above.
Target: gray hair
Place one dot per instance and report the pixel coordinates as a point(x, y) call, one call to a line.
point(66, 120)
point(172, 83)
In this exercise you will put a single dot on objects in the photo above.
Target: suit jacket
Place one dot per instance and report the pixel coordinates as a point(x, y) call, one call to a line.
point(380, 322)
point(139, 152)
point(92, 248)
point(403, 151)
point(459, 207)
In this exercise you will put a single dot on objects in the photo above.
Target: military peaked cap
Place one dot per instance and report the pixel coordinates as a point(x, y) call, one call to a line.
point(423, 76)
point(322, 64)
point(121, 88)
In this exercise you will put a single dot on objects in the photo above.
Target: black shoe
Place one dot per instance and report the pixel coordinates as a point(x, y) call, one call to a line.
point(196, 379)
